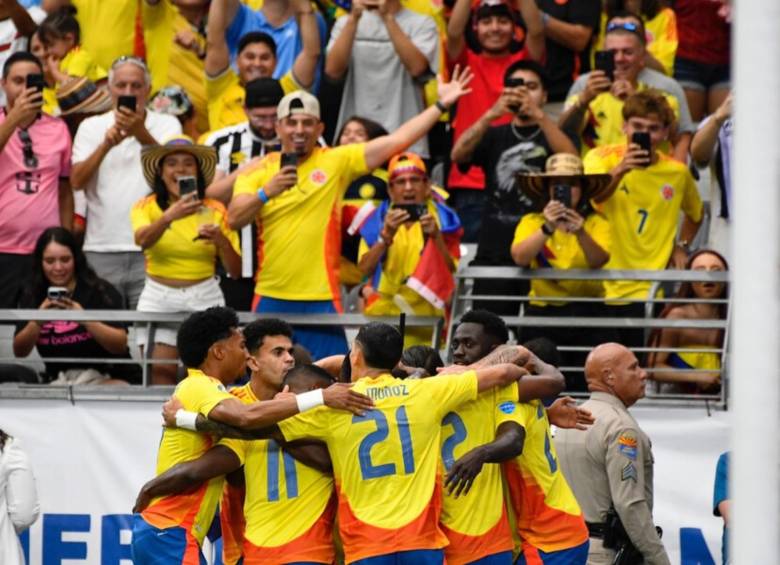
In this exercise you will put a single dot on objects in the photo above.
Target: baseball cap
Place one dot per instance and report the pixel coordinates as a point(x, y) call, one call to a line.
point(298, 102)
point(487, 8)
point(263, 93)
point(406, 162)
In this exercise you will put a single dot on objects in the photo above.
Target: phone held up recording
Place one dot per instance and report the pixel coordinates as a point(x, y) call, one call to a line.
point(642, 139)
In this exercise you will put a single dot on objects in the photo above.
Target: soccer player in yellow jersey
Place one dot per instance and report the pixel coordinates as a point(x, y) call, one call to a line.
point(256, 59)
point(648, 194)
point(298, 208)
point(213, 349)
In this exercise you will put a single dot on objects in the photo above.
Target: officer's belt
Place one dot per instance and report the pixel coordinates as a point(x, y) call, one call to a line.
point(596, 530)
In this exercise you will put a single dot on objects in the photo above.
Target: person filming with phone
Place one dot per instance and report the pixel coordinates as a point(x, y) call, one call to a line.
point(61, 279)
point(409, 239)
point(183, 235)
point(564, 233)
point(649, 190)
point(34, 167)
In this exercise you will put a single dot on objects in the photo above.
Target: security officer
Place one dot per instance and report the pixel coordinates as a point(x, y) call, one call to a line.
point(611, 464)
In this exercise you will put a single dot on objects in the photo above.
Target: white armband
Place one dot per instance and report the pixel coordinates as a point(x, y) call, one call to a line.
point(308, 400)
point(186, 420)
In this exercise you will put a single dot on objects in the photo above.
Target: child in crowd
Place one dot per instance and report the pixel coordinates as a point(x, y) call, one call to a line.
point(61, 34)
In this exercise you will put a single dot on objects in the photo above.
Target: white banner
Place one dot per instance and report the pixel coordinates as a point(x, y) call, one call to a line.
point(91, 458)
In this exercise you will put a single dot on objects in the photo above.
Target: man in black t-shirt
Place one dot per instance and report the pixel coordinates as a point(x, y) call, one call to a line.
point(568, 28)
point(522, 146)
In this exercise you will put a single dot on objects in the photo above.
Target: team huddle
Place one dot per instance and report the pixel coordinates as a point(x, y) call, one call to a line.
point(457, 467)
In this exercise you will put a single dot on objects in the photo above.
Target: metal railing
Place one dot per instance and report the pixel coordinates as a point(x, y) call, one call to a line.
point(150, 321)
point(464, 296)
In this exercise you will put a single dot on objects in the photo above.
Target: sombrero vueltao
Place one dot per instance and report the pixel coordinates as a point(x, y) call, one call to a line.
point(564, 168)
point(152, 156)
point(81, 96)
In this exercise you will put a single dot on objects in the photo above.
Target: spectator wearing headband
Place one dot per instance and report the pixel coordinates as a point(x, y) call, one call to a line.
point(257, 58)
point(107, 166)
point(297, 208)
point(497, 48)
point(34, 166)
point(594, 100)
point(409, 248)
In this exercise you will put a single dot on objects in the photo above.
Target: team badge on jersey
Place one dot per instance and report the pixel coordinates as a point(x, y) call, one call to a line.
point(237, 158)
point(667, 192)
point(318, 176)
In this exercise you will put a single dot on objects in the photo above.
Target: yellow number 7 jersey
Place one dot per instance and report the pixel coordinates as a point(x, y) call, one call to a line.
point(386, 462)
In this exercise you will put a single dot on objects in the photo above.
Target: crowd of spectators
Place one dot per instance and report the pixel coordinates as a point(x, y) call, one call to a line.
point(171, 155)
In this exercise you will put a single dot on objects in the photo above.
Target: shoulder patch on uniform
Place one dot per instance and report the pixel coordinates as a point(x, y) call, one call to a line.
point(507, 407)
point(629, 472)
point(627, 445)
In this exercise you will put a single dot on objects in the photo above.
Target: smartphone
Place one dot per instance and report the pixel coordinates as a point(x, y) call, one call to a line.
point(514, 83)
point(57, 293)
point(562, 193)
point(642, 139)
point(128, 102)
point(187, 185)
point(35, 80)
point(416, 211)
point(289, 160)
point(605, 61)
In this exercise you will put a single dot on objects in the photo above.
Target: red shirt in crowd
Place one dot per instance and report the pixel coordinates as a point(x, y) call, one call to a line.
point(704, 35)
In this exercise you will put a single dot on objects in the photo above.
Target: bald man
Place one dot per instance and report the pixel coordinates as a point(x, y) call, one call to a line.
point(611, 464)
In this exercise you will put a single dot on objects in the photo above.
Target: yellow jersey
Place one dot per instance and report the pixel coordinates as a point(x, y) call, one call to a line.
point(299, 231)
point(386, 462)
point(79, 63)
point(226, 95)
point(194, 510)
point(546, 513)
point(289, 508)
point(604, 120)
point(477, 524)
point(169, 62)
point(177, 254)
point(563, 251)
point(107, 28)
point(643, 213)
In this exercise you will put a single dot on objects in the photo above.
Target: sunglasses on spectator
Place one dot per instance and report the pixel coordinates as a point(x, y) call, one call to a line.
point(137, 61)
point(625, 26)
point(30, 159)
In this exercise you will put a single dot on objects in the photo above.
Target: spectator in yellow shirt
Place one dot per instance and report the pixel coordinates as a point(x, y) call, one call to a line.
point(61, 34)
point(649, 190)
point(256, 59)
point(567, 234)
point(182, 235)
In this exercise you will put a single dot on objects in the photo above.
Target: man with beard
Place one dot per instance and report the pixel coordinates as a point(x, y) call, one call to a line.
point(521, 146)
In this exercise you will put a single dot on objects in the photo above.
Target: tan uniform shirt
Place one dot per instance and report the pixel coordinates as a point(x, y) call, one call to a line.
point(612, 463)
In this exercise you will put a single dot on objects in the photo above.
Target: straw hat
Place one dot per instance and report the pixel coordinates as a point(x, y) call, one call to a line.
point(81, 96)
point(152, 156)
point(564, 168)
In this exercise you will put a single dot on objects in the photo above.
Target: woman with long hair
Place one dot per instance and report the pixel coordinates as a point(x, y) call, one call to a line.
point(703, 367)
point(183, 234)
point(62, 280)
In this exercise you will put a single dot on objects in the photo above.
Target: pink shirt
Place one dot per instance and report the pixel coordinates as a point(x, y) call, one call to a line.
point(29, 198)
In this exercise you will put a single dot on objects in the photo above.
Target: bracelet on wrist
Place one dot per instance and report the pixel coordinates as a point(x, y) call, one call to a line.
point(262, 196)
point(546, 230)
point(442, 108)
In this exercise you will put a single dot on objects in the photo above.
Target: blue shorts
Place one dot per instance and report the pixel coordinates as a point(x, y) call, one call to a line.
point(503, 558)
point(415, 557)
point(573, 556)
point(321, 341)
point(694, 75)
point(155, 546)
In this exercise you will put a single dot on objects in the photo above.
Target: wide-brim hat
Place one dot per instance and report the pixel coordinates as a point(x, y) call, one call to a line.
point(152, 156)
point(564, 168)
point(81, 96)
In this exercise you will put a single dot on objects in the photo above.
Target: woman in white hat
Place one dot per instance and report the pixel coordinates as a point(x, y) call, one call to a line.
point(567, 233)
point(182, 234)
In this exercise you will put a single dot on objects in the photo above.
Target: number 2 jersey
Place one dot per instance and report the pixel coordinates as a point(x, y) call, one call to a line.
point(386, 462)
point(288, 509)
point(547, 513)
point(476, 524)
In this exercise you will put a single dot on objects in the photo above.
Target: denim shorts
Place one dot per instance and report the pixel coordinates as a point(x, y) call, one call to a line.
point(693, 75)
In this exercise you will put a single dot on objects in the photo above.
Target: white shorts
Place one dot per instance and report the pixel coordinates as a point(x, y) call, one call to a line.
point(158, 297)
